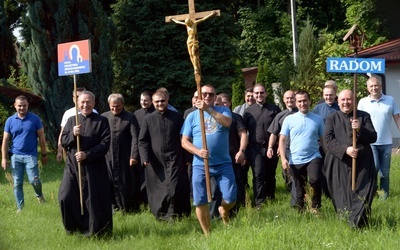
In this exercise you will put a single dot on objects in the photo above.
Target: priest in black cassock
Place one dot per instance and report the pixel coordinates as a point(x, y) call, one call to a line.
point(146, 109)
point(163, 157)
point(122, 157)
point(94, 135)
point(355, 206)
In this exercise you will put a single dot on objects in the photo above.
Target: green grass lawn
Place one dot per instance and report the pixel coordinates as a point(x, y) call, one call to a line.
point(276, 226)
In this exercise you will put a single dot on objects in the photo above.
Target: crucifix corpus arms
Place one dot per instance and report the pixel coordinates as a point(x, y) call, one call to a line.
point(190, 21)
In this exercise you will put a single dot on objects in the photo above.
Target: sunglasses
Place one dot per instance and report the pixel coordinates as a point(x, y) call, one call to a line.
point(205, 94)
point(259, 93)
point(158, 101)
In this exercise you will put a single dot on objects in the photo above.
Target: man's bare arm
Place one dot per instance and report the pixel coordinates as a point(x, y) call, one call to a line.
point(225, 121)
point(60, 150)
point(4, 149)
point(397, 120)
point(42, 143)
point(282, 151)
point(187, 144)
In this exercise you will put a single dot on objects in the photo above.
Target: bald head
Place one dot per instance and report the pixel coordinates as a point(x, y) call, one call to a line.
point(345, 101)
point(288, 98)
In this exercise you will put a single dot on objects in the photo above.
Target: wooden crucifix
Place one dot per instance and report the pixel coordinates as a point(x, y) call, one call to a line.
point(190, 21)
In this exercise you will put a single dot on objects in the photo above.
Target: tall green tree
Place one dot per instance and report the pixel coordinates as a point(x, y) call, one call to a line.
point(306, 73)
point(266, 40)
point(9, 15)
point(367, 15)
point(329, 15)
point(151, 53)
point(49, 23)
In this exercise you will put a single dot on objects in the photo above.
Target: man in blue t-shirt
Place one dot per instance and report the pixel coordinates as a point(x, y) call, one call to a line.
point(304, 128)
point(23, 129)
point(216, 121)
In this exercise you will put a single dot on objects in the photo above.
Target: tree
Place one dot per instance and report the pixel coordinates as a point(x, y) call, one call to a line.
point(306, 73)
point(151, 53)
point(9, 14)
point(328, 15)
point(266, 41)
point(50, 22)
point(238, 90)
point(368, 17)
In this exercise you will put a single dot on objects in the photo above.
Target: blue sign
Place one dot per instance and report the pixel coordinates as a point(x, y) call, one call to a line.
point(355, 65)
point(74, 58)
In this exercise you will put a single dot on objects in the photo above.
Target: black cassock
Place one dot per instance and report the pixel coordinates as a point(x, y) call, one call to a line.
point(94, 141)
point(166, 175)
point(353, 205)
point(125, 184)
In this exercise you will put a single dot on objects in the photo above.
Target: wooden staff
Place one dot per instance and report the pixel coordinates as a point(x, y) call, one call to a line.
point(197, 77)
point(356, 39)
point(354, 160)
point(78, 147)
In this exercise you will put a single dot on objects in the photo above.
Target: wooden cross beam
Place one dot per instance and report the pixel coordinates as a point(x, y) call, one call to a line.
point(191, 21)
point(193, 15)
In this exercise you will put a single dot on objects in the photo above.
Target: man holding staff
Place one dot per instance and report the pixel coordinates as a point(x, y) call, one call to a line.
point(94, 133)
point(216, 121)
point(354, 205)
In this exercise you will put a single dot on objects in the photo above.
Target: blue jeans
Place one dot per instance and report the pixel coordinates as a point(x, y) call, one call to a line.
point(20, 164)
point(382, 157)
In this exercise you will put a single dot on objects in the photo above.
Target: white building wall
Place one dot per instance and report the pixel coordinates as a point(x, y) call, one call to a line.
point(392, 76)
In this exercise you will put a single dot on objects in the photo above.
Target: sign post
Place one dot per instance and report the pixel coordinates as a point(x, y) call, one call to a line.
point(355, 65)
point(75, 58)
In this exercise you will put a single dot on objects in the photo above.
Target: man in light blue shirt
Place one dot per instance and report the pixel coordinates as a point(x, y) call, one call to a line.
point(381, 108)
point(304, 128)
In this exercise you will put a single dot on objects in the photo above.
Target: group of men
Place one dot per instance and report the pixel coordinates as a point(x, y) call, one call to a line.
point(118, 160)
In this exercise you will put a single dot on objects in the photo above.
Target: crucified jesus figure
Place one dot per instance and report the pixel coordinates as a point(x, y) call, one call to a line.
point(192, 41)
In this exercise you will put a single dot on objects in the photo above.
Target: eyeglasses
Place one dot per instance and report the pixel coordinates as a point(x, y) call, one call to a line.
point(158, 101)
point(205, 94)
point(259, 93)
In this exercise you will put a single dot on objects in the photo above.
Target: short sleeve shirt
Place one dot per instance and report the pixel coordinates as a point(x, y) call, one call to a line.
point(304, 131)
point(217, 136)
point(381, 112)
point(23, 133)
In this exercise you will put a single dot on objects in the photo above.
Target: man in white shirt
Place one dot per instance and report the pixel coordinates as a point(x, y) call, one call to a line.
point(381, 108)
